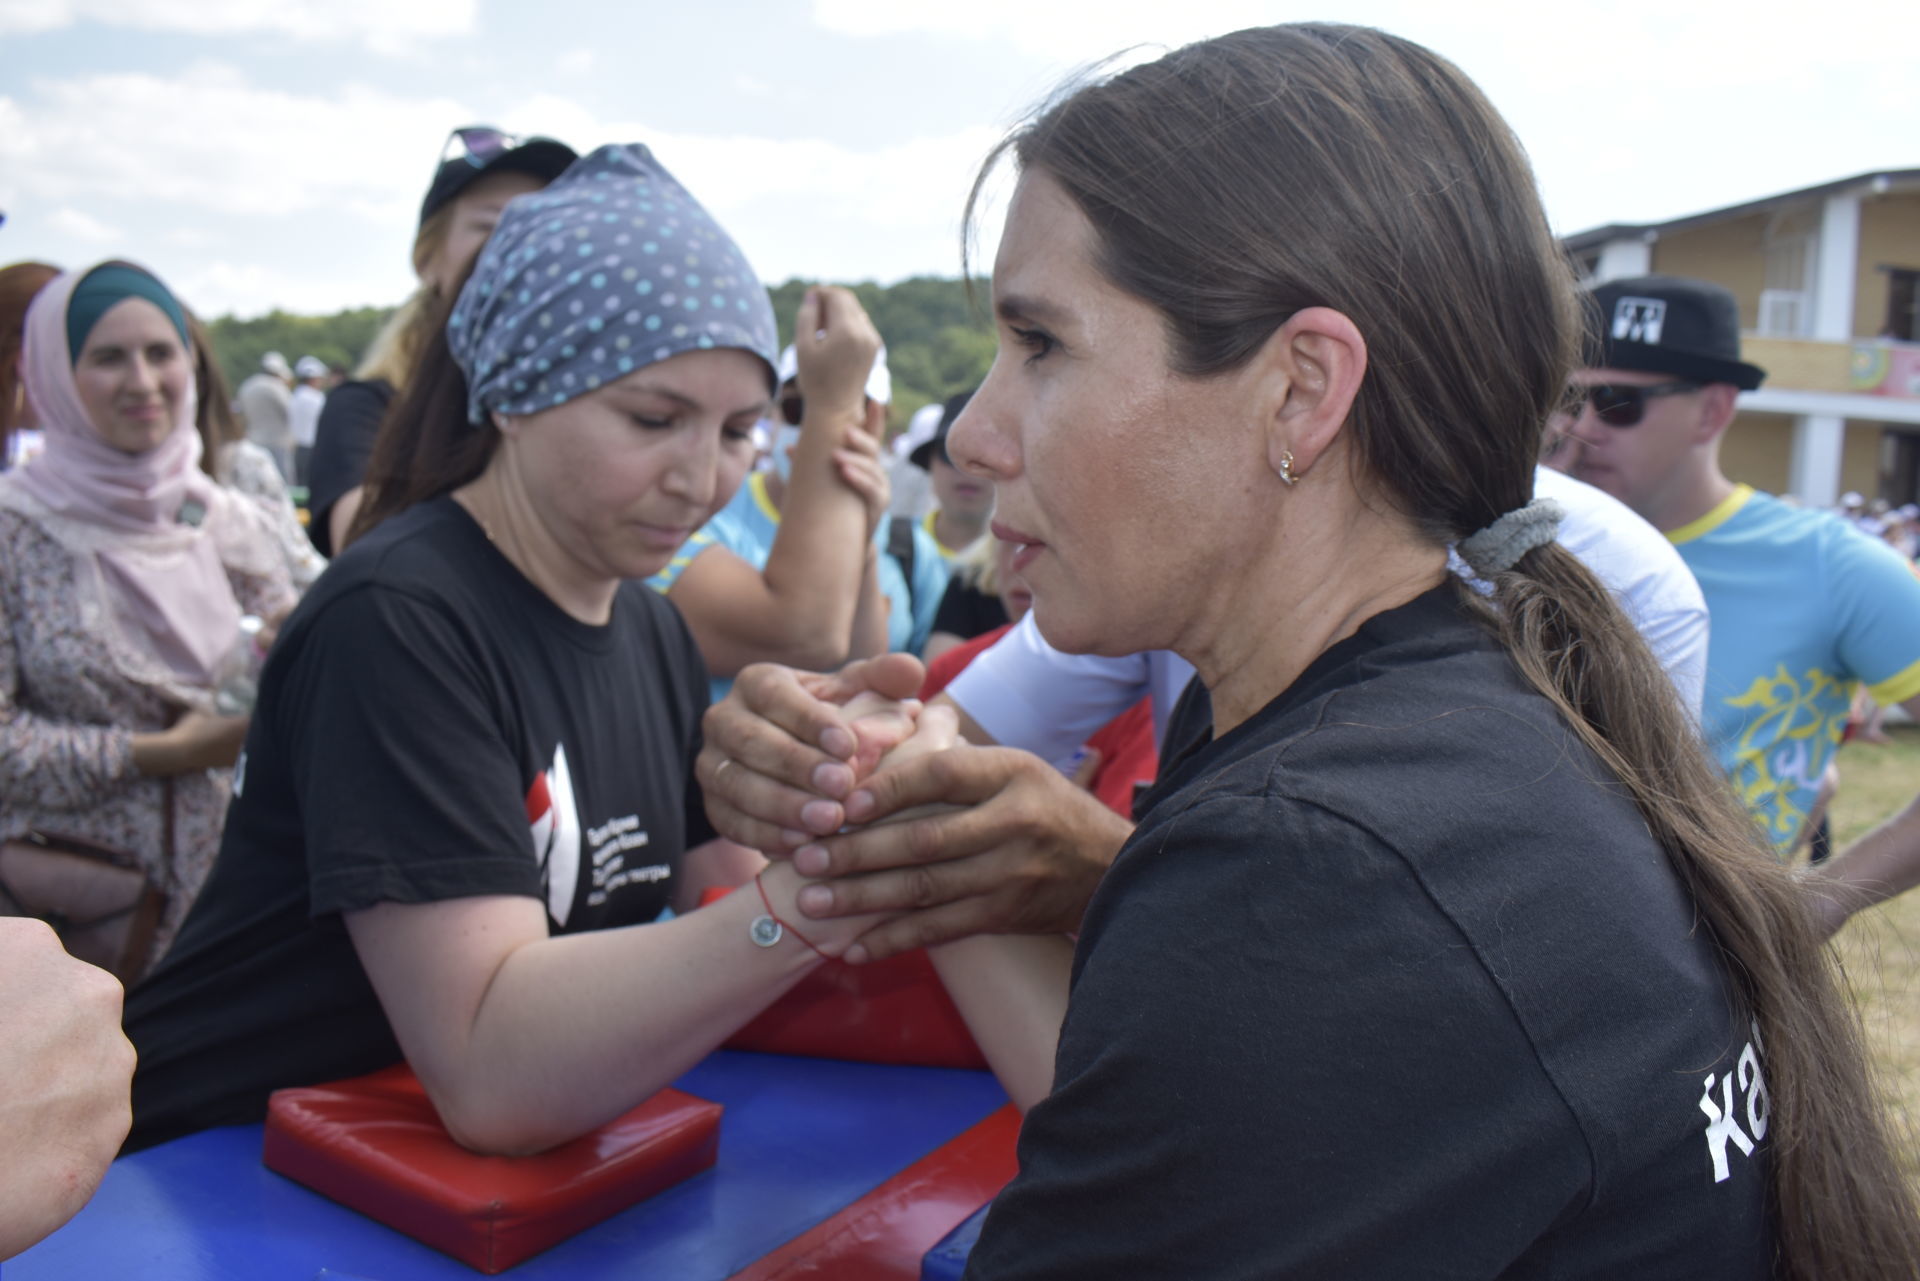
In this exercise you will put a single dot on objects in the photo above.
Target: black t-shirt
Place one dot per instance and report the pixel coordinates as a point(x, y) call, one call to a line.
point(966, 611)
point(342, 444)
point(1392, 981)
point(430, 726)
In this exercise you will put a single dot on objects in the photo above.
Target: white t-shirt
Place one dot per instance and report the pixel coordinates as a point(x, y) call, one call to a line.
point(303, 413)
point(1027, 694)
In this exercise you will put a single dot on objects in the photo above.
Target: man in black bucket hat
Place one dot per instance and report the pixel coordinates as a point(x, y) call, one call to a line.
point(1664, 373)
point(1802, 607)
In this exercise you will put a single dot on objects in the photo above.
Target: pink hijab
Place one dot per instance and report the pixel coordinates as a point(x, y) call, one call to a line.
point(146, 522)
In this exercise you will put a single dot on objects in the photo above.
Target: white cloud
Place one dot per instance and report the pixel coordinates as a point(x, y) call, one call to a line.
point(574, 62)
point(811, 206)
point(82, 227)
point(220, 183)
point(1056, 31)
point(385, 25)
point(209, 140)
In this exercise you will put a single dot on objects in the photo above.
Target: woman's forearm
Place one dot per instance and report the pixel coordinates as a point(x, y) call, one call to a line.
point(870, 619)
point(62, 765)
point(819, 555)
point(525, 1041)
point(1012, 991)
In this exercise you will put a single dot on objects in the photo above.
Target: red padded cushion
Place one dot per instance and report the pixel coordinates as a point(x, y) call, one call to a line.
point(376, 1145)
point(892, 1011)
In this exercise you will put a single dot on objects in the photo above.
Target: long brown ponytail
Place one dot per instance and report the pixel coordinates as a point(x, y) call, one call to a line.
point(1234, 182)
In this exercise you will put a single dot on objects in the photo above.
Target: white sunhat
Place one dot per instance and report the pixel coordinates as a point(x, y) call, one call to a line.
point(920, 429)
point(310, 367)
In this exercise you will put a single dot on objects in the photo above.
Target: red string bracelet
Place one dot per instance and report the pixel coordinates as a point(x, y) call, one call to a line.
point(779, 924)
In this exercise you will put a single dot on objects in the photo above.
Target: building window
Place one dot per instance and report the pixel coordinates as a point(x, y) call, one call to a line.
point(1786, 296)
point(1903, 304)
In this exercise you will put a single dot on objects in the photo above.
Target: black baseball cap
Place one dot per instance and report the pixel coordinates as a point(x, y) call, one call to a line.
point(1669, 325)
point(474, 151)
point(922, 456)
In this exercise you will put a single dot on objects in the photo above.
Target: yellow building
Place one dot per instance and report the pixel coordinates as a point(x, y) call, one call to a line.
point(1828, 281)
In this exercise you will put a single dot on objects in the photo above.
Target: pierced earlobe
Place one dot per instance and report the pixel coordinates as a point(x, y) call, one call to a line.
point(1287, 477)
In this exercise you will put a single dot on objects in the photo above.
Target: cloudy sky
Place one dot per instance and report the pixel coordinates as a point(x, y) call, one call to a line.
point(272, 153)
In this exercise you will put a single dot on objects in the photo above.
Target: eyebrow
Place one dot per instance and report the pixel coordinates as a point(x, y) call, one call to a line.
point(1024, 307)
point(688, 402)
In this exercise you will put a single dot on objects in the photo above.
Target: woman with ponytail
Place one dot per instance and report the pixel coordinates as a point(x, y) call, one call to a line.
point(1441, 948)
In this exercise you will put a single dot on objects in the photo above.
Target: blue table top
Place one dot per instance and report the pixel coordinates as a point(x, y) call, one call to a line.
point(801, 1139)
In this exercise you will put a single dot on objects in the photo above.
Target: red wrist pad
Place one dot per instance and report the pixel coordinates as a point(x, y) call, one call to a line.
point(892, 1011)
point(376, 1145)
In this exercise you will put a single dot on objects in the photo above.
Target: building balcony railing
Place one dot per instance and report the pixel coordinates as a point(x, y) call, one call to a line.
point(1856, 367)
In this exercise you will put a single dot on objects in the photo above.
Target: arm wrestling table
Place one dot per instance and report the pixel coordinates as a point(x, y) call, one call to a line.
point(819, 1162)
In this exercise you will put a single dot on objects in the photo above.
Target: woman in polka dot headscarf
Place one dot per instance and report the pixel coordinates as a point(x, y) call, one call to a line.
point(468, 795)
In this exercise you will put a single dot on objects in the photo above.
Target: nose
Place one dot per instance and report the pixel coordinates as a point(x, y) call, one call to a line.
point(980, 442)
point(1582, 424)
point(142, 374)
point(693, 475)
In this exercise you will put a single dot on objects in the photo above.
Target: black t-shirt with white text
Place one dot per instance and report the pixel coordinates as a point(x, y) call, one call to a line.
point(1392, 981)
point(430, 726)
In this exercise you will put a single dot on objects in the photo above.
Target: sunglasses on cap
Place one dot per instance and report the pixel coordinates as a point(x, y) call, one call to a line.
point(1624, 404)
point(477, 144)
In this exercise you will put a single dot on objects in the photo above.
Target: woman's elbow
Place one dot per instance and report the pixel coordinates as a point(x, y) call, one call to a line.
point(494, 1129)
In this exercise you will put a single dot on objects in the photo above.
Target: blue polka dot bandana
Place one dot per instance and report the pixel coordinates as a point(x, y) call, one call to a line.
point(613, 267)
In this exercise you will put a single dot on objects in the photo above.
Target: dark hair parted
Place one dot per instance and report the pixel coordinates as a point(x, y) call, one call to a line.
point(1237, 181)
point(425, 447)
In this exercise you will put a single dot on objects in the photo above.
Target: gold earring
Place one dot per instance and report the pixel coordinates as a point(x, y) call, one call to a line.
point(1287, 477)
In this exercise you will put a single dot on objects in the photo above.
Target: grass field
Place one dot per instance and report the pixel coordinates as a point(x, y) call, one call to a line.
point(1881, 946)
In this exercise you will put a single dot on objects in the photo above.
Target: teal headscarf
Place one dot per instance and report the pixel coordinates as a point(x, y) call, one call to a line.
point(106, 287)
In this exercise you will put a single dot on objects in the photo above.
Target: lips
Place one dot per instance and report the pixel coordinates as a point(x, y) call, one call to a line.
point(670, 537)
point(1030, 547)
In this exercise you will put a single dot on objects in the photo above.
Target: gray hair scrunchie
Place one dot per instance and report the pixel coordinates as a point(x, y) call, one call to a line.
point(614, 266)
point(1499, 546)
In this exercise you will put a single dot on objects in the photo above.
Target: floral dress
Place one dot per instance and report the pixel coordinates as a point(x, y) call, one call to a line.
point(68, 717)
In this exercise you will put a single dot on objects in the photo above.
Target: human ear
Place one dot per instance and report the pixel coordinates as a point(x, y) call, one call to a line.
point(1718, 404)
point(1317, 361)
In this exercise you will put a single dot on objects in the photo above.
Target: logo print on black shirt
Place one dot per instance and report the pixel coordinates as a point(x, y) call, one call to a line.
point(555, 819)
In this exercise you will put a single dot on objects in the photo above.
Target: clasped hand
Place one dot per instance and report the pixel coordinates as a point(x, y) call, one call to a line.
point(951, 839)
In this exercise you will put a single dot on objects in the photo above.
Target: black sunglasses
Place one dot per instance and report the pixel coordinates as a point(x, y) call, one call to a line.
point(1624, 404)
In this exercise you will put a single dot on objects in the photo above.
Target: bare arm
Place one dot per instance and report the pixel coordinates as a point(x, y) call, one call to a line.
point(340, 516)
point(524, 1041)
point(860, 467)
point(800, 607)
point(939, 643)
point(66, 1073)
point(1010, 988)
point(1012, 991)
point(1881, 864)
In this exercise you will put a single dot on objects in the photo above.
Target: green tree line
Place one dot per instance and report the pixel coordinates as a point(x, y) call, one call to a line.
point(939, 341)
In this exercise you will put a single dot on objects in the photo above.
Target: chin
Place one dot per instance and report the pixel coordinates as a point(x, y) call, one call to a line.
point(1074, 631)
